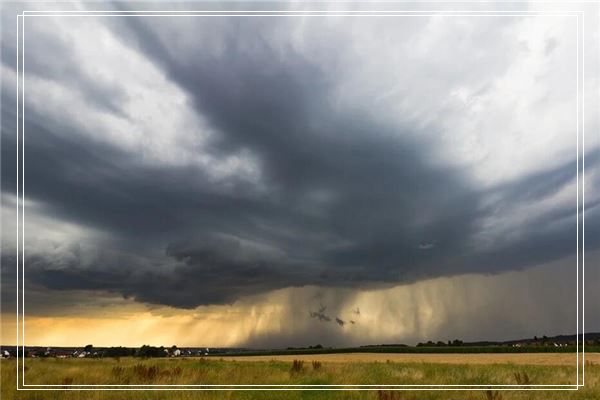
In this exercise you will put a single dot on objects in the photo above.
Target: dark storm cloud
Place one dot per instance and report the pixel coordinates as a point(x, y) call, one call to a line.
point(350, 199)
point(552, 234)
point(279, 108)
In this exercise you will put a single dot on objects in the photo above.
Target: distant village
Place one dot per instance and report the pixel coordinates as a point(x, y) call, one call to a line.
point(90, 351)
point(558, 343)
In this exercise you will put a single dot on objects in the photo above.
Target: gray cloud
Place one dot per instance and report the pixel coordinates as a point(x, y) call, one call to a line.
point(345, 197)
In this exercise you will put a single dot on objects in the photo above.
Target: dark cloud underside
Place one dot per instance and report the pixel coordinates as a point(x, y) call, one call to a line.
point(344, 197)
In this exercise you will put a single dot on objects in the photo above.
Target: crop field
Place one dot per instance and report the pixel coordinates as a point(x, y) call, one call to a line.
point(563, 359)
point(323, 369)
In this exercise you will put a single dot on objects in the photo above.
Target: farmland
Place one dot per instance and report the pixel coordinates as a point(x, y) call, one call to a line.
point(322, 369)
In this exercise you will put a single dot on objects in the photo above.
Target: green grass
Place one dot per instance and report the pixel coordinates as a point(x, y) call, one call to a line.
point(130, 371)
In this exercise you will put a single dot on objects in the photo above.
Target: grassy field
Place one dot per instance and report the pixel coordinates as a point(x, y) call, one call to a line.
point(564, 359)
point(531, 369)
point(420, 350)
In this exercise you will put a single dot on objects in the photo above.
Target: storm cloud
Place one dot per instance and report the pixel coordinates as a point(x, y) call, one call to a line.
point(238, 156)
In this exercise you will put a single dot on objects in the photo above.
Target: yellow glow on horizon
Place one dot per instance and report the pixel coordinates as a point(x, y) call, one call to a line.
point(435, 309)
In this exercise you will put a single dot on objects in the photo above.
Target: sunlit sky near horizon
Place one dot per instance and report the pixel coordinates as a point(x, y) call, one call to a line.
point(293, 180)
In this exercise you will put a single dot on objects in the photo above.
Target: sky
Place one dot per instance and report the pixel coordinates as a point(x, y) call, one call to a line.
point(294, 180)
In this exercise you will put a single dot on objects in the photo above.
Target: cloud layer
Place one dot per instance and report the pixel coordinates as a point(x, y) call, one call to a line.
point(183, 164)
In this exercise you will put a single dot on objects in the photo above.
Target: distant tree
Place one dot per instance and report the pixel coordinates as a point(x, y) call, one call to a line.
point(39, 353)
point(151, 351)
point(88, 348)
point(457, 342)
point(118, 352)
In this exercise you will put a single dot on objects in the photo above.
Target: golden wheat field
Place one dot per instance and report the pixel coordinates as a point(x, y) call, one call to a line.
point(333, 369)
point(565, 359)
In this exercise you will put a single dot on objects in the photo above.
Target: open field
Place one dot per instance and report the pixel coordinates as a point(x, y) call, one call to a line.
point(388, 349)
point(563, 359)
point(334, 369)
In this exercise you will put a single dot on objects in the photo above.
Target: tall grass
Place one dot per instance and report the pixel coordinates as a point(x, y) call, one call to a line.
point(130, 371)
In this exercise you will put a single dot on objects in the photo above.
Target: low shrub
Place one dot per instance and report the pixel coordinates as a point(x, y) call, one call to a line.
point(67, 381)
point(387, 395)
point(492, 395)
point(146, 373)
point(522, 378)
point(297, 366)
